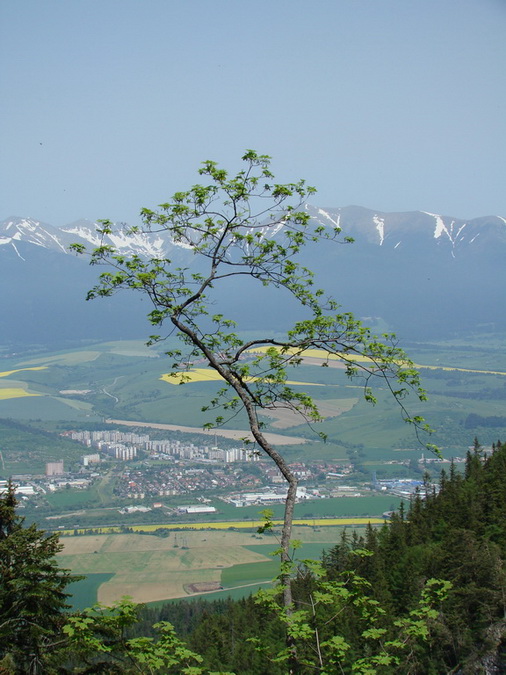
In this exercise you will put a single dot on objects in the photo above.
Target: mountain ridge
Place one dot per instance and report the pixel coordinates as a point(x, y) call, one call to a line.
point(419, 274)
point(369, 225)
point(390, 227)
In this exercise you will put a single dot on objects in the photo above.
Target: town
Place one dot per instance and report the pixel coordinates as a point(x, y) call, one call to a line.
point(150, 473)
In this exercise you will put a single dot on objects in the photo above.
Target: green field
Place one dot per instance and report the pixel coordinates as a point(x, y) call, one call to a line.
point(338, 507)
point(307, 550)
point(69, 498)
point(249, 573)
point(233, 593)
point(152, 569)
point(122, 380)
point(83, 593)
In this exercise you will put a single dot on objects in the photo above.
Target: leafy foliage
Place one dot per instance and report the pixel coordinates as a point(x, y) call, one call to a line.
point(379, 643)
point(98, 640)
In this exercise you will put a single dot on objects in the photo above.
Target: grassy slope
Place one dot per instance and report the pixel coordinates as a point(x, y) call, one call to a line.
point(27, 449)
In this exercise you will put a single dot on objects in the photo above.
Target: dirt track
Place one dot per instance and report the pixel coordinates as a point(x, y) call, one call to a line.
point(275, 439)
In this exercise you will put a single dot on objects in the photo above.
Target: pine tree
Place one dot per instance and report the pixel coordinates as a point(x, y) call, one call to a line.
point(32, 590)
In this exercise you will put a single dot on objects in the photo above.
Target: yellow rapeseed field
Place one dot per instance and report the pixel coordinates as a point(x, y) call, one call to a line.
point(6, 373)
point(14, 392)
point(210, 375)
point(320, 354)
point(316, 354)
point(225, 525)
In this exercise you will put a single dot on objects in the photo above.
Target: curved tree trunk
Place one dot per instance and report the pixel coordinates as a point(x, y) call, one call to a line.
point(286, 532)
point(249, 405)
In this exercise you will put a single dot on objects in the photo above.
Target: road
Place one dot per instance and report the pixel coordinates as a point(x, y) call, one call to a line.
point(237, 434)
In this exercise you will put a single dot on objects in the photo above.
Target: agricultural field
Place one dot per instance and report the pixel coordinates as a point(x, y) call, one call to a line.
point(338, 507)
point(83, 511)
point(128, 381)
point(229, 525)
point(150, 568)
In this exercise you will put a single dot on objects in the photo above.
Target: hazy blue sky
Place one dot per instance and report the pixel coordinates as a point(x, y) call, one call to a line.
point(110, 105)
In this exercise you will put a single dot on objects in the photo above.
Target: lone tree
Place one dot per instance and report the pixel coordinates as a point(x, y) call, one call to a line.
point(250, 226)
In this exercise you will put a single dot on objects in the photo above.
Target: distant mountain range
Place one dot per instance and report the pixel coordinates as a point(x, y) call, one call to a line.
point(404, 231)
point(388, 230)
point(420, 274)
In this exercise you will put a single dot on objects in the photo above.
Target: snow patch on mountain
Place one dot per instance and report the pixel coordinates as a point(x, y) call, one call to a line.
point(452, 231)
point(85, 233)
point(33, 232)
point(380, 227)
point(440, 226)
point(325, 214)
point(17, 252)
point(56, 241)
point(126, 242)
point(137, 243)
point(460, 230)
point(270, 230)
point(21, 235)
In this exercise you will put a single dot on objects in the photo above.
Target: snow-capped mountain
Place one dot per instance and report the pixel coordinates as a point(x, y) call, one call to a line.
point(420, 274)
point(406, 230)
point(31, 231)
point(402, 231)
point(143, 244)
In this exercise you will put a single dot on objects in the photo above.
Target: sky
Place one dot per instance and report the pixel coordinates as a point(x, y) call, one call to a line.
point(108, 106)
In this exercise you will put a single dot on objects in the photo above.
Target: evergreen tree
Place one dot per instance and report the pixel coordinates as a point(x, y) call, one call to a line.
point(458, 535)
point(32, 590)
